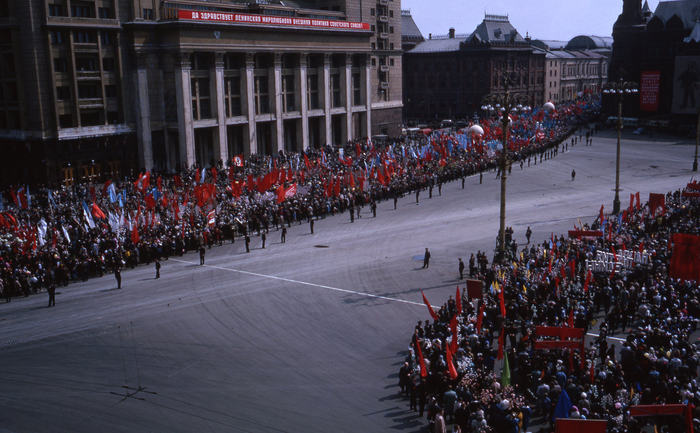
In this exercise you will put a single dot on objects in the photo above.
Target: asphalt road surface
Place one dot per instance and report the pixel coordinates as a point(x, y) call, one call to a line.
point(306, 336)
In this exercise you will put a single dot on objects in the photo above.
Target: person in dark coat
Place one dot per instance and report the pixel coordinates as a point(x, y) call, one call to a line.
point(247, 243)
point(51, 289)
point(202, 251)
point(264, 238)
point(404, 378)
point(284, 234)
point(311, 225)
point(426, 259)
point(157, 269)
point(461, 269)
point(118, 275)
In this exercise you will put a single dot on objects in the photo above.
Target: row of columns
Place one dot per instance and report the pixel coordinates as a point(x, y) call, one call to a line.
point(183, 92)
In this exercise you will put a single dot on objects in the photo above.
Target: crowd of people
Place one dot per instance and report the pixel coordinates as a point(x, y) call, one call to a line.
point(452, 375)
point(51, 236)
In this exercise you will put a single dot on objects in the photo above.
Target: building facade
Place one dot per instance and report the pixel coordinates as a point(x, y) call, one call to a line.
point(94, 87)
point(571, 73)
point(449, 76)
point(660, 51)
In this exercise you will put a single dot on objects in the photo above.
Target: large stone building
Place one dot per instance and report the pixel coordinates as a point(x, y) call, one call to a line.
point(660, 51)
point(448, 76)
point(93, 87)
point(574, 68)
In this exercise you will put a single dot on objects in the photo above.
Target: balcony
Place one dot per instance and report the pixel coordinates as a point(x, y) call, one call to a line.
point(382, 19)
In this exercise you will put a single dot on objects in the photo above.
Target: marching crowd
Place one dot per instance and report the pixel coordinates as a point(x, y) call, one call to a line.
point(51, 236)
point(451, 374)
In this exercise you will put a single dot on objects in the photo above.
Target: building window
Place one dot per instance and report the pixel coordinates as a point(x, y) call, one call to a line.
point(356, 89)
point(391, 46)
point(391, 62)
point(112, 117)
point(57, 38)
point(374, 46)
point(57, 10)
point(391, 14)
point(105, 13)
point(371, 12)
point(373, 28)
point(262, 96)
point(88, 91)
point(105, 38)
point(288, 93)
point(87, 64)
point(336, 100)
point(374, 61)
point(82, 10)
point(201, 106)
point(91, 118)
point(391, 29)
point(233, 96)
point(147, 14)
point(63, 93)
point(312, 89)
point(84, 37)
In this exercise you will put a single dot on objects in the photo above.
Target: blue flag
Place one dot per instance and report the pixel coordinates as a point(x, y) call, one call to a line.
point(563, 407)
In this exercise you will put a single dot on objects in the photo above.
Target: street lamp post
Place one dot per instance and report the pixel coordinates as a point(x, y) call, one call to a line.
point(505, 104)
point(619, 89)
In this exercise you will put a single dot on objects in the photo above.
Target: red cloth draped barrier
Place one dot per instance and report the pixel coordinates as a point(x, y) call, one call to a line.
point(581, 426)
point(685, 260)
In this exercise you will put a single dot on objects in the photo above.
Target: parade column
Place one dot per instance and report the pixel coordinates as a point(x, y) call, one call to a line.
point(303, 100)
point(143, 124)
point(278, 101)
point(220, 109)
point(250, 104)
point(348, 97)
point(183, 95)
point(327, 97)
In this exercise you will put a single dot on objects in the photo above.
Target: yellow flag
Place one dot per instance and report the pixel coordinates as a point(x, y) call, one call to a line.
point(524, 289)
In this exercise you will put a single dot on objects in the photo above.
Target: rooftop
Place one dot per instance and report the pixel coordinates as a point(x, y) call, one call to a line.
point(409, 29)
point(687, 10)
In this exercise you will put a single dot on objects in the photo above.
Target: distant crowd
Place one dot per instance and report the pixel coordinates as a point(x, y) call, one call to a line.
point(51, 236)
point(452, 375)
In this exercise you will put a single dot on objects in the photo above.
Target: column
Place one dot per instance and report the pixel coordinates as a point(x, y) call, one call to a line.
point(368, 96)
point(222, 143)
point(347, 75)
point(143, 124)
point(304, 100)
point(183, 96)
point(327, 97)
point(250, 103)
point(277, 88)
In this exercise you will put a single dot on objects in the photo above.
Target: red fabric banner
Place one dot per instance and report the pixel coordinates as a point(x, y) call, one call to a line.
point(458, 301)
point(474, 289)
point(685, 260)
point(656, 201)
point(580, 426)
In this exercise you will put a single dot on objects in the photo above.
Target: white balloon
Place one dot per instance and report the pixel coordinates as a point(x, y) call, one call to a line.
point(476, 130)
point(549, 107)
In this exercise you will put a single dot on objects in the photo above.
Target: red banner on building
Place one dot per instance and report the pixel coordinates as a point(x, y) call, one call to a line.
point(269, 20)
point(649, 91)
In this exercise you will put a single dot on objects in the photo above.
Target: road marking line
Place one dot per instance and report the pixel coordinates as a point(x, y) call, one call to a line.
point(610, 338)
point(369, 295)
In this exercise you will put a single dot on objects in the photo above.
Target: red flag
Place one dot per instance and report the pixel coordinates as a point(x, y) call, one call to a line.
point(280, 194)
point(178, 181)
point(135, 233)
point(453, 328)
point(602, 216)
point(631, 207)
point(591, 372)
point(97, 212)
point(430, 308)
point(307, 163)
point(570, 321)
point(450, 366)
point(214, 173)
point(572, 266)
point(502, 301)
point(638, 205)
point(159, 183)
point(480, 318)
point(685, 258)
point(501, 342)
point(421, 361)
point(458, 301)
